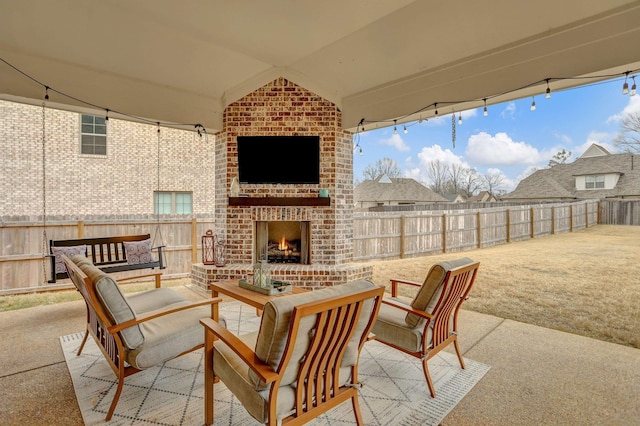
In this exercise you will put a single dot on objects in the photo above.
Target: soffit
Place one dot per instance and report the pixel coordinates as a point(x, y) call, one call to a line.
point(379, 60)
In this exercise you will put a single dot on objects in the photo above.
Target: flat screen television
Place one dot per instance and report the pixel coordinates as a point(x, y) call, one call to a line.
point(279, 159)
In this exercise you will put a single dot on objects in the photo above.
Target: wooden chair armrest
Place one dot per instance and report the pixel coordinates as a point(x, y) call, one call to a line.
point(147, 316)
point(264, 371)
point(157, 279)
point(395, 282)
point(407, 308)
point(154, 274)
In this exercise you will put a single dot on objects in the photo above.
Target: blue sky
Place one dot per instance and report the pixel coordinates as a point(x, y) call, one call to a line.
point(512, 139)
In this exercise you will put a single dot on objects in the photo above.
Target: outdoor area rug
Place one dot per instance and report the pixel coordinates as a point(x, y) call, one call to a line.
point(394, 392)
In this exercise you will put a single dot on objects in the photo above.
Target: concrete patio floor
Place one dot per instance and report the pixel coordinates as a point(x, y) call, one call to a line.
point(538, 376)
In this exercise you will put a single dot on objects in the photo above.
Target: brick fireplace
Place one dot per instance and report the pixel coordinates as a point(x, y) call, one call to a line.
point(282, 108)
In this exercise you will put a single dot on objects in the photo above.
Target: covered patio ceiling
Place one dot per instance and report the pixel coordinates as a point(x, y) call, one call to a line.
point(184, 61)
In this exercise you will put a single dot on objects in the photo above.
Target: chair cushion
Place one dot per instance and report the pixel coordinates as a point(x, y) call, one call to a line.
point(233, 372)
point(274, 328)
point(168, 336)
point(429, 294)
point(113, 302)
point(391, 327)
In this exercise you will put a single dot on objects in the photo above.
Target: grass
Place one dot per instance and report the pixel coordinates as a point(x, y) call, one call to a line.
point(586, 282)
point(22, 301)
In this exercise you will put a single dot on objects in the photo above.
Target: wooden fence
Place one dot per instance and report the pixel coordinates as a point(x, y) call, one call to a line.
point(24, 268)
point(620, 212)
point(379, 235)
point(394, 235)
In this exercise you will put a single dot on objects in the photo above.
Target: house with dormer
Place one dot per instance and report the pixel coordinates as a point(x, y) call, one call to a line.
point(596, 174)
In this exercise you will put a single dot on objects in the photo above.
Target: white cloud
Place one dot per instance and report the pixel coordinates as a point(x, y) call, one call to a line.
point(507, 184)
point(603, 139)
point(501, 150)
point(435, 152)
point(527, 172)
point(429, 154)
point(396, 142)
point(632, 108)
point(509, 111)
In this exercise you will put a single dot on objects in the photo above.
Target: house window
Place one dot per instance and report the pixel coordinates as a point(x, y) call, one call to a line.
point(173, 202)
point(594, 182)
point(94, 135)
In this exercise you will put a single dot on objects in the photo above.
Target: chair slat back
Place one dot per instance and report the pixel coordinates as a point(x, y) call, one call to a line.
point(336, 321)
point(457, 285)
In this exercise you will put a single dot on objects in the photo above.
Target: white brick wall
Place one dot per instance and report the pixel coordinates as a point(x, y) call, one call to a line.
point(122, 183)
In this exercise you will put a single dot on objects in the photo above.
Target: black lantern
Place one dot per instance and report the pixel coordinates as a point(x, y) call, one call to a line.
point(208, 248)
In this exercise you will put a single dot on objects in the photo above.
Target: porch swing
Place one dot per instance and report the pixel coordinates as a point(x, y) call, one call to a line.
point(110, 254)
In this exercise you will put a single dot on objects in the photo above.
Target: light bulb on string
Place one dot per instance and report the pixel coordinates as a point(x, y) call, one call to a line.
point(485, 112)
point(625, 86)
point(459, 118)
point(548, 93)
point(533, 103)
point(106, 117)
point(360, 151)
point(405, 130)
point(46, 93)
point(395, 129)
point(633, 87)
point(436, 107)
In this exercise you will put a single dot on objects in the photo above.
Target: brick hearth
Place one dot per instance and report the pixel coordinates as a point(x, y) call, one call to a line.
point(282, 108)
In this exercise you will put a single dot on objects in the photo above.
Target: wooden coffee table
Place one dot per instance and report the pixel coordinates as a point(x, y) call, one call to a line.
point(232, 289)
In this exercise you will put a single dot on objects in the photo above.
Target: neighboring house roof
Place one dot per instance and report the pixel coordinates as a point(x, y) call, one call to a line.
point(455, 198)
point(394, 190)
point(482, 197)
point(559, 181)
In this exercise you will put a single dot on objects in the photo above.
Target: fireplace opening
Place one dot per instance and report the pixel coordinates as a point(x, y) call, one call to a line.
point(282, 241)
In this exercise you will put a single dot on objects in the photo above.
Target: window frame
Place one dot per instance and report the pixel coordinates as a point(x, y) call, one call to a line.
point(174, 203)
point(593, 182)
point(90, 130)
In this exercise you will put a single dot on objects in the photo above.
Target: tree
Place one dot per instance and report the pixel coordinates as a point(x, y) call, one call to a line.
point(492, 181)
point(438, 174)
point(385, 166)
point(560, 158)
point(628, 140)
point(472, 182)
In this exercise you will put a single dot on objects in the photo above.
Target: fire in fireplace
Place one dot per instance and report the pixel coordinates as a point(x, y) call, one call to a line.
point(282, 241)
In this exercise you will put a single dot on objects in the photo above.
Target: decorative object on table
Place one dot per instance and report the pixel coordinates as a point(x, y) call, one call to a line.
point(234, 189)
point(324, 193)
point(262, 274)
point(220, 253)
point(208, 248)
point(276, 287)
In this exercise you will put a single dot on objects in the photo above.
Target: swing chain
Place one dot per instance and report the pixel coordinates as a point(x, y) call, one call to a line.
point(44, 196)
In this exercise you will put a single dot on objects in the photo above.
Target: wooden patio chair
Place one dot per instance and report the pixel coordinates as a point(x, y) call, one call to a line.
point(138, 331)
point(304, 359)
point(430, 322)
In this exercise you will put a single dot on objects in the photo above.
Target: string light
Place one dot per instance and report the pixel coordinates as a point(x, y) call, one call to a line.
point(405, 129)
point(633, 87)
point(459, 119)
point(548, 95)
point(395, 129)
point(92, 105)
point(106, 117)
point(625, 86)
point(435, 105)
point(485, 112)
point(533, 103)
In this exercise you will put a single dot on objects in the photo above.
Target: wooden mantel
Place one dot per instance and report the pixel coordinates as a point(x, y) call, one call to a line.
point(279, 201)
